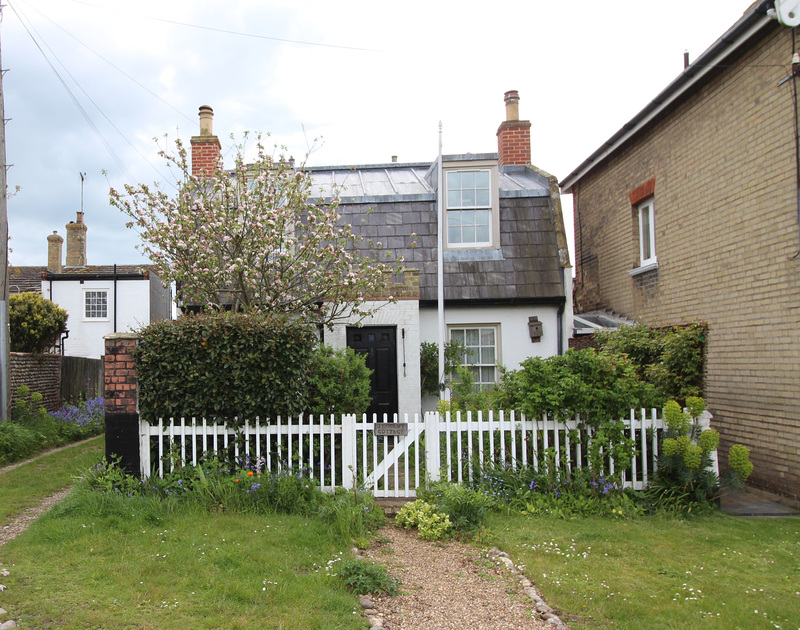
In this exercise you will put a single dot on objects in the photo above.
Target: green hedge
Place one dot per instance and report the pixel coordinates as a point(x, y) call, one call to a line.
point(671, 358)
point(224, 365)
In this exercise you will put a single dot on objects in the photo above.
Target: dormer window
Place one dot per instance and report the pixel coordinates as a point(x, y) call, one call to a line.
point(469, 207)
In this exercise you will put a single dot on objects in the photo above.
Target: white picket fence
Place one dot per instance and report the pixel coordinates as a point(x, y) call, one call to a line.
point(346, 452)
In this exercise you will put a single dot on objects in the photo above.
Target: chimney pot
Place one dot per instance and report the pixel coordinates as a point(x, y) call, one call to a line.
point(206, 121)
point(394, 159)
point(512, 105)
point(55, 251)
point(76, 242)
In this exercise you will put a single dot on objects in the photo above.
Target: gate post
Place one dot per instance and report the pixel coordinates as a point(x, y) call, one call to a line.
point(120, 393)
point(349, 451)
point(433, 460)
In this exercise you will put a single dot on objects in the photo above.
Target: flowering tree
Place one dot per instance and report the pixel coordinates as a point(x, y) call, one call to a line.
point(254, 240)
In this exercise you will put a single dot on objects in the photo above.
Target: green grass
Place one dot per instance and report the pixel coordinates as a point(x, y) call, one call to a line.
point(715, 572)
point(27, 485)
point(106, 561)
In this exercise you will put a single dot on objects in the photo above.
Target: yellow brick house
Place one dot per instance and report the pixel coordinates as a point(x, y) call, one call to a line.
point(690, 213)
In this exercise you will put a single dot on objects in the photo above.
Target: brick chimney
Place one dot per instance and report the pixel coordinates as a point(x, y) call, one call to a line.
point(514, 135)
point(55, 251)
point(76, 242)
point(206, 149)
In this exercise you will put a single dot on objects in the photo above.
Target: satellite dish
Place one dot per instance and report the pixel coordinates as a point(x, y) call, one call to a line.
point(788, 12)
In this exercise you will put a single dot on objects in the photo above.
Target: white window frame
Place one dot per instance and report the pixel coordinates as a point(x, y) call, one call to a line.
point(451, 209)
point(91, 318)
point(479, 366)
point(646, 211)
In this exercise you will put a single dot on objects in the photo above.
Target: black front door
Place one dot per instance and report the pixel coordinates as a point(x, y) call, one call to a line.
point(379, 346)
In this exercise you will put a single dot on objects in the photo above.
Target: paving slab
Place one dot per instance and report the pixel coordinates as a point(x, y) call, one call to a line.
point(750, 505)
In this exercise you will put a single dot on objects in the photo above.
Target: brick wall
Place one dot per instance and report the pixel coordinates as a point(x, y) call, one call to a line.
point(726, 241)
point(120, 387)
point(40, 372)
point(514, 142)
point(205, 154)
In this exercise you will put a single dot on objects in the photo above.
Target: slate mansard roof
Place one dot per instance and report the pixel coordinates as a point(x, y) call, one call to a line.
point(395, 204)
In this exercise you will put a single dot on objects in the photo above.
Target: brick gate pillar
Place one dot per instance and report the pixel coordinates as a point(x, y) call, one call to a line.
point(120, 392)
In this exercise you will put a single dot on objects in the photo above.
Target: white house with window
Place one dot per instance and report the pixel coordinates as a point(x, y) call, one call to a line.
point(507, 291)
point(103, 299)
point(507, 277)
point(99, 299)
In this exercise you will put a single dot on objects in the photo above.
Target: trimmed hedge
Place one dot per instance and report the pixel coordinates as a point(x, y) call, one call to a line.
point(224, 365)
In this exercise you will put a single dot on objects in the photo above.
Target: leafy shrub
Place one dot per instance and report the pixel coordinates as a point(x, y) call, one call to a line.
point(466, 396)
point(670, 358)
point(739, 461)
point(464, 507)
point(683, 481)
point(367, 577)
point(338, 382)
point(224, 365)
point(598, 386)
point(36, 324)
point(429, 365)
point(431, 523)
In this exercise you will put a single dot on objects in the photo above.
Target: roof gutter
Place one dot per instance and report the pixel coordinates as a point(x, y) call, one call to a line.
point(751, 23)
point(94, 276)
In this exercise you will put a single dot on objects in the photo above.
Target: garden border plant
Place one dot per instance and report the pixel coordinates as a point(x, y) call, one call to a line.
point(32, 429)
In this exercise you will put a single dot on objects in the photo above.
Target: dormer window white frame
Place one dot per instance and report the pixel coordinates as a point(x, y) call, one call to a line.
point(471, 205)
point(647, 233)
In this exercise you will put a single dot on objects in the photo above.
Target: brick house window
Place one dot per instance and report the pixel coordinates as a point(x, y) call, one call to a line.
point(643, 211)
point(481, 352)
point(647, 233)
point(95, 304)
point(469, 207)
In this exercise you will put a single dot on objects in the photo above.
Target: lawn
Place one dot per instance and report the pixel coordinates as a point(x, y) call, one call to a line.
point(708, 572)
point(99, 561)
point(108, 561)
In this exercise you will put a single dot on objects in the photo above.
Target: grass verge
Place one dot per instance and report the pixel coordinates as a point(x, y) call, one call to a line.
point(107, 561)
point(714, 572)
point(27, 485)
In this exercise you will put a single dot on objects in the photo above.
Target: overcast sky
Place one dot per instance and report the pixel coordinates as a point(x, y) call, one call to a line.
point(91, 83)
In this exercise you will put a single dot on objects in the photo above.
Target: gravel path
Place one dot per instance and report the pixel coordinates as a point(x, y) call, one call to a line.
point(21, 522)
point(451, 585)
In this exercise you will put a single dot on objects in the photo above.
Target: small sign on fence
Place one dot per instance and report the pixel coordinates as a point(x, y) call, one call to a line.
point(391, 428)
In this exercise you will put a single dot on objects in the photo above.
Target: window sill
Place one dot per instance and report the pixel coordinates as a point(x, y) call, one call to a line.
point(472, 255)
point(644, 268)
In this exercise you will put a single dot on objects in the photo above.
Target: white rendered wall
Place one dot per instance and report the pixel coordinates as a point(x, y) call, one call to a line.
point(405, 316)
point(514, 344)
point(86, 336)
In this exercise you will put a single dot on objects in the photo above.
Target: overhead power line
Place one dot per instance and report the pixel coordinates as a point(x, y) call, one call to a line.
point(229, 32)
point(30, 29)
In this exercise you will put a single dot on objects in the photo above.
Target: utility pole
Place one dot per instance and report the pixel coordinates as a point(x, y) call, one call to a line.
point(5, 377)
